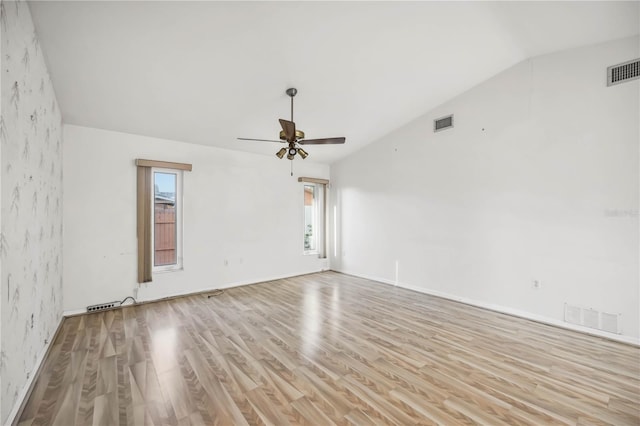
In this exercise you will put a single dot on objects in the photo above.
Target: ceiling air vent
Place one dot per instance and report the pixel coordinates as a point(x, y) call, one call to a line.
point(626, 71)
point(443, 123)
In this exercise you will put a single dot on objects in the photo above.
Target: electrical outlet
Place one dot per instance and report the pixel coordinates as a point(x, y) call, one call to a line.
point(226, 262)
point(135, 292)
point(536, 284)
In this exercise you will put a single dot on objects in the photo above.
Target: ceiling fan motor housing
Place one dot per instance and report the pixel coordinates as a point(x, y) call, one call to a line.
point(299, 135)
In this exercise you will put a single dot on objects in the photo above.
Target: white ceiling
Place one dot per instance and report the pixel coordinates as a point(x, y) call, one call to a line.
point(208, 72)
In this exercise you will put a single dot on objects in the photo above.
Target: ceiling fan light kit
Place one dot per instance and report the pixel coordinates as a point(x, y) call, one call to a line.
point(295, 137)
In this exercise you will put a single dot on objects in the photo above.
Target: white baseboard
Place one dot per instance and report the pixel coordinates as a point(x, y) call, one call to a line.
point(20, 400)
point(224, 286)
point(504, 310)
point(74, 312)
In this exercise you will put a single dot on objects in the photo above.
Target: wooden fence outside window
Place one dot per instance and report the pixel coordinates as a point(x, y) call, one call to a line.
point(165, 235)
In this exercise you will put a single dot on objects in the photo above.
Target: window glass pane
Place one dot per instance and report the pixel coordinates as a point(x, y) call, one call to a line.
point(310, 198)
point(165, 231)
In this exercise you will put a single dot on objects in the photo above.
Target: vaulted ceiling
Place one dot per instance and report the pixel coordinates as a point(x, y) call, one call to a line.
point(208, 72)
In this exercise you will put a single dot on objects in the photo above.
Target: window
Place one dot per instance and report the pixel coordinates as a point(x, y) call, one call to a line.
point(310, 219)
point(314, 238)
point(159, 205)
point(167, 219)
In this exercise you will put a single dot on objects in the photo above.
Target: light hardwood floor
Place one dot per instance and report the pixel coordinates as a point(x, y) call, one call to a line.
point(328, 349)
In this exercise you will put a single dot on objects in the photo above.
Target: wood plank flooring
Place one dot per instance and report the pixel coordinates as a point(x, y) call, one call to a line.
point(327, 349)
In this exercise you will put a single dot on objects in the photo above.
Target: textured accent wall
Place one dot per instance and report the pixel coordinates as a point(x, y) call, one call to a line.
point(31, 194)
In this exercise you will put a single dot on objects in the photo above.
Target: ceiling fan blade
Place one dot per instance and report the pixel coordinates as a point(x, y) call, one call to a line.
point(325, 141)
point(259, 140)
point(289, 128)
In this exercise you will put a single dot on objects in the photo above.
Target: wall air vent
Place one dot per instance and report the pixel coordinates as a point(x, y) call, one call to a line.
point(610, 323)
point(443, 123)
point(621, 73)
point(592, 318)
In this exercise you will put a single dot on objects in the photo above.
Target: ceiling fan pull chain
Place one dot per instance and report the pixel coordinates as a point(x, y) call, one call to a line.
point(291, 167)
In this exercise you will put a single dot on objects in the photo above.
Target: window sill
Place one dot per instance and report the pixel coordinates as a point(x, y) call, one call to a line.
point(165, 271)
point(310, 253)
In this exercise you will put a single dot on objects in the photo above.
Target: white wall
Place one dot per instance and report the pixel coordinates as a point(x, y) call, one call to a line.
point(240, 207)
point(31, 177)
point(537, 181)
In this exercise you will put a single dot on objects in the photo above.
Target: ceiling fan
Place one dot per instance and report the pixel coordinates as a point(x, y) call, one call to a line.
point(295, 137)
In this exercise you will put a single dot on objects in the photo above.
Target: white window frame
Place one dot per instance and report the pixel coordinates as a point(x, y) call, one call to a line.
point(179, 224)
point(320, 220)
point(315, 216)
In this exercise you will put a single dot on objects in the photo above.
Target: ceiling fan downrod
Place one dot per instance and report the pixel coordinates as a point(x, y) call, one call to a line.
point(292, 91)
